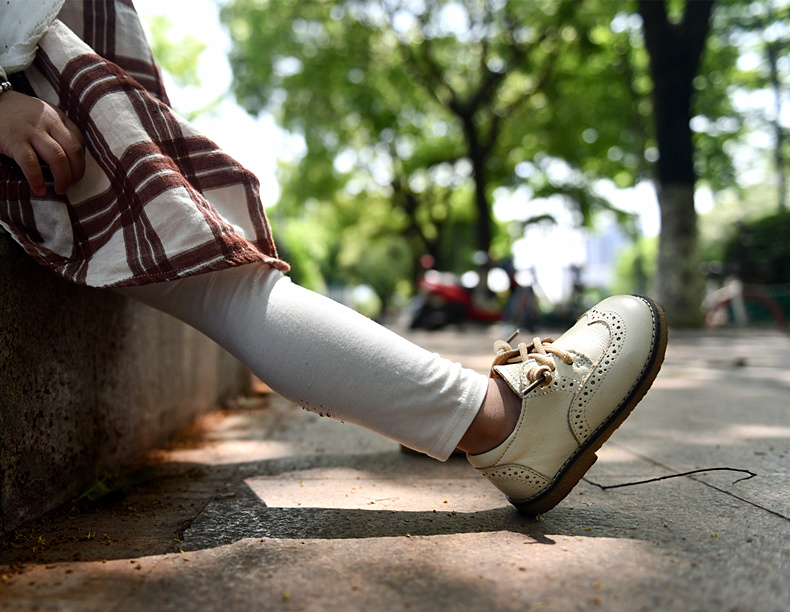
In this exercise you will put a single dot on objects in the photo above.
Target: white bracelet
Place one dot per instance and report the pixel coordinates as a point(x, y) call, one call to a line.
point(4, 87)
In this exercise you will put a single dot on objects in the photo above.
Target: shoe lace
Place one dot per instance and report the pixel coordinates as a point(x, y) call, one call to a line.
point(537, 365)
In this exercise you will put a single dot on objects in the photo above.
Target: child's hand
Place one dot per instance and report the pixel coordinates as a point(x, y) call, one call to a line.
point(31, 129)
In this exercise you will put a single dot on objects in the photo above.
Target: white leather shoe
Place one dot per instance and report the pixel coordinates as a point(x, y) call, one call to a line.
point(575, 392)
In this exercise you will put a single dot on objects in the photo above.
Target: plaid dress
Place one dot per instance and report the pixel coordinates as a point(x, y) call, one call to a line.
point(158, 201)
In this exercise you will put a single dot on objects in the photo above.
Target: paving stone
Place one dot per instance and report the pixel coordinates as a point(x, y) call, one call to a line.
point(273, 508)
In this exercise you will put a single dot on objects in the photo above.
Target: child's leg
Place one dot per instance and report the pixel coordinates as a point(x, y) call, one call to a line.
point(533, 429)
point(327, 357)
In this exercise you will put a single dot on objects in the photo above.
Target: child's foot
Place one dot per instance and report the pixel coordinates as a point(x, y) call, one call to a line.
point(574, 393)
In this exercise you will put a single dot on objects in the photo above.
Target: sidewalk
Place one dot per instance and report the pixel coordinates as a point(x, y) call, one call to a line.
point(268, 507)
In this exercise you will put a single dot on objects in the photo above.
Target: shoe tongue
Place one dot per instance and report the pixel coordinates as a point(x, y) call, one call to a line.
point(511, 374)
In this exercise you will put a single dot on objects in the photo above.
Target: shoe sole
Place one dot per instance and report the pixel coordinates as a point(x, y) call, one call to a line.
point(582, 460)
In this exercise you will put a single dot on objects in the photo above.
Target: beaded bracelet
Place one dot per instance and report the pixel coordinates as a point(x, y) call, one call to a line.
point(4, 87)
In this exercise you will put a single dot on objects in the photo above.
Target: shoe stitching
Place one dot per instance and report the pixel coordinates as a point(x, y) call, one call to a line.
point(563, 381)
point(515, 472)
point(578, 422)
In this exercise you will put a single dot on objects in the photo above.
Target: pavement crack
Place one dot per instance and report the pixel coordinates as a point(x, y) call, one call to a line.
point(748, 501)
point(178, 534)
point(691, 475)
point(677, 475)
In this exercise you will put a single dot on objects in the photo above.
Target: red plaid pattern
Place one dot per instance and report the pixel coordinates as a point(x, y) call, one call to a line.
point(159, 201)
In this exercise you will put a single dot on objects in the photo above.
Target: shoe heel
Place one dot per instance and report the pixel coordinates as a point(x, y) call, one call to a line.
point(567, 479)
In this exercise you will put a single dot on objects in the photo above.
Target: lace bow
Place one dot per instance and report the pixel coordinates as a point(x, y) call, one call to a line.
point(539, 371)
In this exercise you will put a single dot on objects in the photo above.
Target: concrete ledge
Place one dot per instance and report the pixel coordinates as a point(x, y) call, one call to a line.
point(89, 381)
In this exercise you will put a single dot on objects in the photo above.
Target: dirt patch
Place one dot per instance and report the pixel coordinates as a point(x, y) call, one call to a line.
point(142, 511)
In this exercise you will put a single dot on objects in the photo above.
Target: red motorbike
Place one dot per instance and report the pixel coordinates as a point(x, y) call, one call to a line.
point(442, 301)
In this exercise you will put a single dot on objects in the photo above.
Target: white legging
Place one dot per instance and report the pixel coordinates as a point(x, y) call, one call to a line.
point(326, 357)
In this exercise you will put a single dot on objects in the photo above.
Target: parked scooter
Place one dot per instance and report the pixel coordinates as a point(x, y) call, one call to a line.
point(443, 300)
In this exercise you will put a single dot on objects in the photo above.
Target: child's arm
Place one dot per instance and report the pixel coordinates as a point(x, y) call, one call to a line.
point(31, 129)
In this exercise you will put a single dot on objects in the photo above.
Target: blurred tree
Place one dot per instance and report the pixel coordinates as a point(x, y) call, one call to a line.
point(412, 113)
point(180, 59)
point(761, 31)
point(759, 251)
point(717, 132)
point(675, 44)
point(733, 209)
point(635, 266)
point(432, 105)
point(776, 45)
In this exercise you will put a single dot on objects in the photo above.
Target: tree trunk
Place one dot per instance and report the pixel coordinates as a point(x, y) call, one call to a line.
point(675, 50)
point(678, 283)
point(483, 227)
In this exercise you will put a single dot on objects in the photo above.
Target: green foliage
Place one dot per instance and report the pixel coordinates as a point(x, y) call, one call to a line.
point(413, 113)
point(750, 43)
point(379, 262)
point(759, 251)
point(738, 29)
point(716, 123)
point(733, 207)
point(590, 110)
point(300, 243)
point(636, 267)
point(427, 109)
point(180, 58)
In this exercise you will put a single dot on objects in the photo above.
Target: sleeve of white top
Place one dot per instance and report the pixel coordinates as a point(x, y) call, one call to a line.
point(22, 24)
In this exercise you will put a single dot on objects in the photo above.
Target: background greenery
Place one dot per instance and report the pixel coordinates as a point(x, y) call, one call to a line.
point(414, 114)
